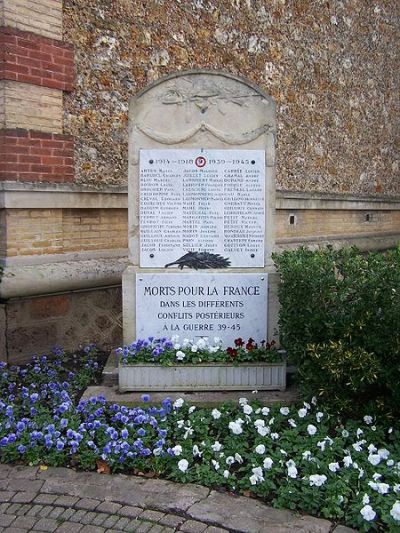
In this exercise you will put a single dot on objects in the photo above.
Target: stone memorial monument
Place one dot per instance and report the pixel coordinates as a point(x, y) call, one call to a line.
point(201, 210)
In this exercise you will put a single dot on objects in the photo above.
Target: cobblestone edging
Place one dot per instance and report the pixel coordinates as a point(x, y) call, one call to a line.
point(64, 501)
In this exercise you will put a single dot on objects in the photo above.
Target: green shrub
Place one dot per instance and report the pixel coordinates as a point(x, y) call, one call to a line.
point(339, 320)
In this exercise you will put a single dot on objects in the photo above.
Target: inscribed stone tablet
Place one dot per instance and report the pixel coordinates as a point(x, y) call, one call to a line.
point(202, 305)
point(202, 201)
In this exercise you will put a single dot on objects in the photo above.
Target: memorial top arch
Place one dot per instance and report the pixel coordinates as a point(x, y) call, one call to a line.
point(203, 110)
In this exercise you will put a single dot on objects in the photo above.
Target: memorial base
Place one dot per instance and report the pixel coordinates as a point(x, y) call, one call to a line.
point(202, 377)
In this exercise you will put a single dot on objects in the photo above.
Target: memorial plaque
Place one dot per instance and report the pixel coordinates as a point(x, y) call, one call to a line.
point(202, 201)
point(202, 305)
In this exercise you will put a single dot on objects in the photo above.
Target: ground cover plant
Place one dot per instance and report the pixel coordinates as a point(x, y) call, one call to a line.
point(294, 457)
point(339, 322)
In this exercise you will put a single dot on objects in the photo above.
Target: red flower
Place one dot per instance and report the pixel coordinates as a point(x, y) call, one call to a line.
point(232, 352)
point(239, 342)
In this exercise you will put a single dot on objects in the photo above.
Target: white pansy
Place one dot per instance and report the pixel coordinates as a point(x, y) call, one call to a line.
point(268, 462)
point(302, 412)
point(196, 451)
point(243, 401)
point(333, 467)
point(183, 465)
point(265, 411)
point(217, 340)
point(307, 405)
point(180, 355)
point(374, 459)
point(177, 450)
point(357, 446)
point(263, 431)
point(272, 420)
point(202, 343)
point(177, 346)
point(368, 419)
point(319, 416)
point(321, 445)
point(383, 453)
point(217, 446)
point(229, 460)
point(371, 448)
point(345, 433)
point(361, 473)
point(368, 513)
point(247, 409)
point(259, 423)
point(194, 348)
point(235, 428)
point(314, 400)
point(274, 436)
point(376, 476)
point(186, 343)
point(311, 429)
point(238, 458)
point(317, 480)
point(178, 403)
point(365, 499)
point(191, 409)
point(215, 464)
point(216, 414)
point(348, 461)
point(283, 452)
point(291, 471)
point(395, 511)
point(382, 488)
point(257, 476)
point(188, 432)
point(359, 432)
point(175, 338)
point(390, 462)
point(260, 449)
point(226, 474)
point(180, 423)
point(284, 410)
point(292, 423)
point(396, 488)
point(306, 455)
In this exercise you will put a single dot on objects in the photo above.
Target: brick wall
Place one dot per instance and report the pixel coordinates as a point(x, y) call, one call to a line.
point(29, 58)
point(57, 231)
point(39, 16)
point(36, 156)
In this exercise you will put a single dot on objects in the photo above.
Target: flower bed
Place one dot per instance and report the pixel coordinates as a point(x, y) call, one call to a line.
point(174, 365)
point(295, 457)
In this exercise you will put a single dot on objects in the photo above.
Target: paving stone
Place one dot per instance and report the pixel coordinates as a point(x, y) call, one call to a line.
point(5, 471)
point(27, 485)
point(87, 503)
point(193, 526)
point(56, 512)
point(45, 498)
point(78, 515)
point(14, 508)
point(24, 522)
point(35, 510)
point(13, 529)
point(99, 519)
point(6, 495)
point(88, 518)
point(153, 516)
point(92, 529)
point(110, 521)
point(344, 529)
point(24, 509)
point(143, 527)
point(248, 515)
point(157, 529)
point(69, 527)
point(129, 511)
point(108, 507)
point(4, 507)
point(24, 497)
point(5, 520)
point(122, 523)
point(213, 529)
point(171, 520)
point(65, 501)
point(46, 524)
point(67, 514)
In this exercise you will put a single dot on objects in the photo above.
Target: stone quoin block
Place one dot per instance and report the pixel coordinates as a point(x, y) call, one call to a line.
point(38, 16)
point(30, 58)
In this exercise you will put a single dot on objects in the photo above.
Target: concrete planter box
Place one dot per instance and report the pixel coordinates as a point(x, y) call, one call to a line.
point(202, 377)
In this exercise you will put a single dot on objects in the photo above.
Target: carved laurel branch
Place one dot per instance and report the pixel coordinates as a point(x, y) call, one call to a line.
point(228, 138)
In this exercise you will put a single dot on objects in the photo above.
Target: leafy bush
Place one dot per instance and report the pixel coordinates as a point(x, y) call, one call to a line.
point(340, 316)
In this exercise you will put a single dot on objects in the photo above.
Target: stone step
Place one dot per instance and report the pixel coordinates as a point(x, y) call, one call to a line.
point(201, 399)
